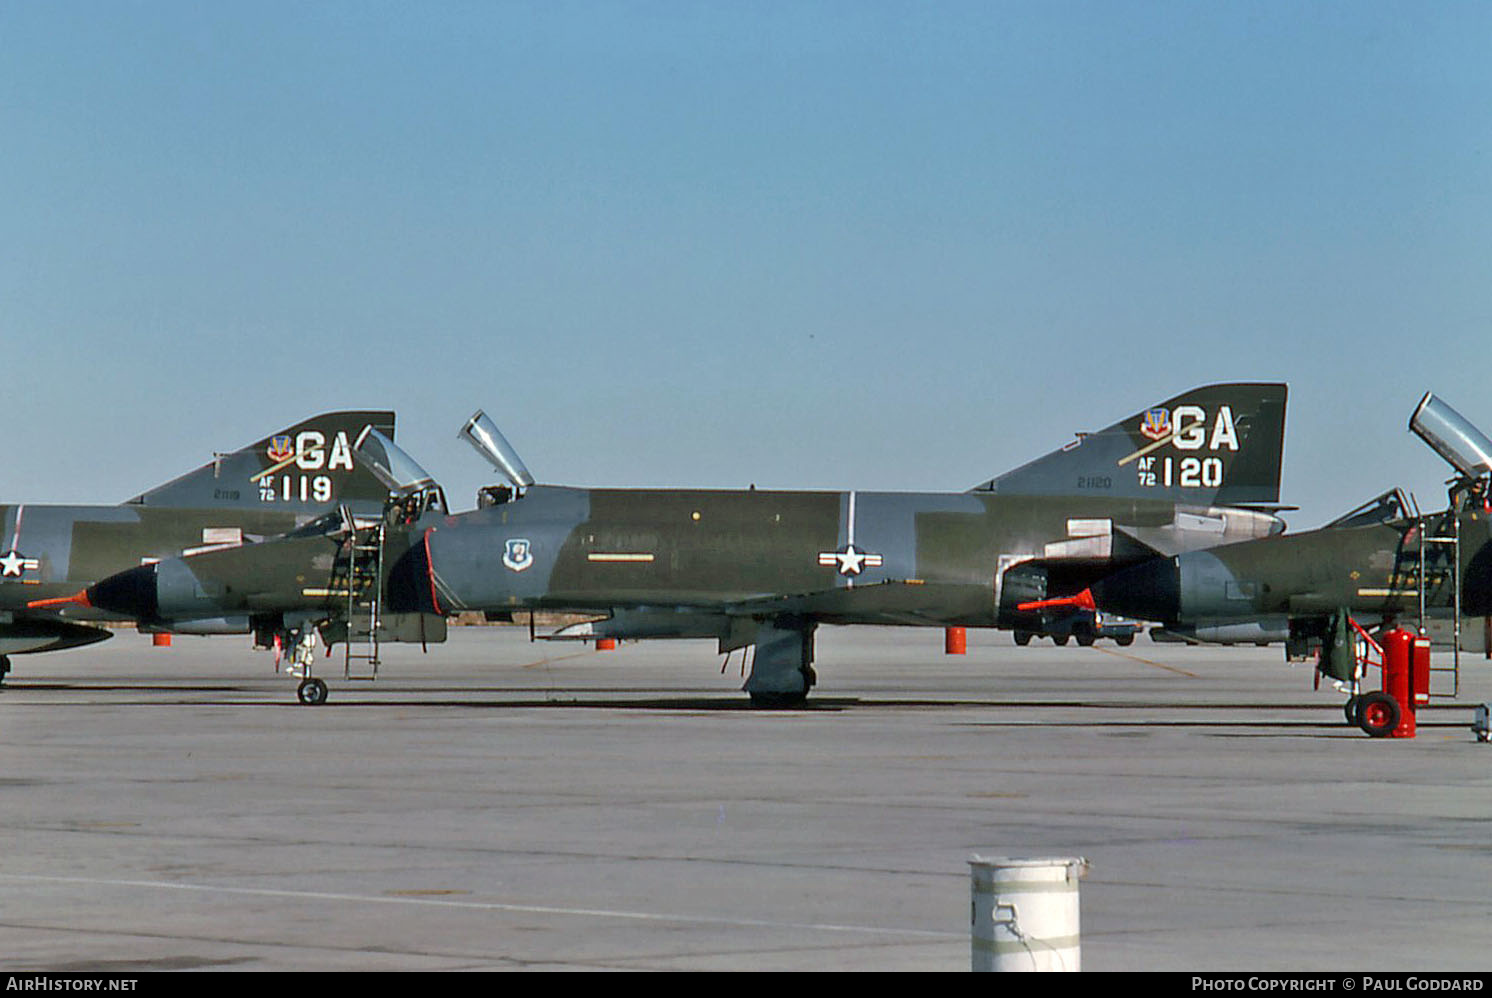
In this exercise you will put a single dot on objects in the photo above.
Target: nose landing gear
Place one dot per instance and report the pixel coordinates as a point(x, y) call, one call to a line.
point(311, 692)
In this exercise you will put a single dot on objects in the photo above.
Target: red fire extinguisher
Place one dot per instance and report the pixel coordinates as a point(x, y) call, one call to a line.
point(1406, 683)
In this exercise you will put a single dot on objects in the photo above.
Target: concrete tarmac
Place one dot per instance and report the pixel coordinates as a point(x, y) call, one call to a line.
point(497, 804)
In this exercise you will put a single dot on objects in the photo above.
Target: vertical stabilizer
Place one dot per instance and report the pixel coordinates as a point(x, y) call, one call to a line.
point(307, 466)
point(1214, 445)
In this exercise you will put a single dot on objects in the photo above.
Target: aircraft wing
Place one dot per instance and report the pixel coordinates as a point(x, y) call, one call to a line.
point(914, 603)
point(904, 603)
point(22, 633)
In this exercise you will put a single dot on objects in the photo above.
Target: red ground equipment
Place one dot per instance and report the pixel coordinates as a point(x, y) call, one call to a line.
point(1404, 658)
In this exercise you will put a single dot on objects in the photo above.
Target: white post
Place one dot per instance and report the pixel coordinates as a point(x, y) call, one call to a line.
point(1025, 913)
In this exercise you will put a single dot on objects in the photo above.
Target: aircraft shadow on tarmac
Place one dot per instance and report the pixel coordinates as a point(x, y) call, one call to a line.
point(1242, 719)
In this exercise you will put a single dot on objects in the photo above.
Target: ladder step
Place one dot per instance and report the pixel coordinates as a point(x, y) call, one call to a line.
point(364, 570)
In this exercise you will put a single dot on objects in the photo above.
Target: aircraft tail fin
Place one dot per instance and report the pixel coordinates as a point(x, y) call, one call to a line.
point(307, 466)
point(1215, 445)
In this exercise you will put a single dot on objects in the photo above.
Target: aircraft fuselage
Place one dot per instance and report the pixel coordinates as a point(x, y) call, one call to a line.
point(48, 550)
point(1371, 569)
point(838, 553)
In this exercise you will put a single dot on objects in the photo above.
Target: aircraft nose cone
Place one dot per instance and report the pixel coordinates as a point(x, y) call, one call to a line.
point(1150, 590)
point(132, 593)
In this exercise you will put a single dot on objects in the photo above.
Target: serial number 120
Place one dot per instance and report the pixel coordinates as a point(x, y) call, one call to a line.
point(1195, 472)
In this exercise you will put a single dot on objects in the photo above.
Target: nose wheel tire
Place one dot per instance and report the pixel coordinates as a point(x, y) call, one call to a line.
point(311, 692)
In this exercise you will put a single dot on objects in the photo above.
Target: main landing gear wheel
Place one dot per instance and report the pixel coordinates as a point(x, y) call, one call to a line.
point(311, 692)
point(4, 667)
point(1377, 714)
point(1023, 638)
point(786, 698)
point(1124, 641)
point(779, 700)
point(1059, 639)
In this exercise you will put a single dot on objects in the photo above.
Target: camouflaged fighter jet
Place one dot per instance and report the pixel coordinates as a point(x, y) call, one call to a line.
point(1379, 563)
point(751, 567)
point(263, 490)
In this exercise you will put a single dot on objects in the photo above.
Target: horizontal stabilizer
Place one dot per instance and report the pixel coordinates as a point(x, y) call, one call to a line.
point(1214, 445)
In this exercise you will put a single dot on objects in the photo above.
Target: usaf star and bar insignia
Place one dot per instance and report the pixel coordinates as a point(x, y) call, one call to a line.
point(13, 564)
point(851, 560)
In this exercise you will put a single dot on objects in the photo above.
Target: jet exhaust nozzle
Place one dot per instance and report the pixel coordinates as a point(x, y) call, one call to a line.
point(482, 433)
point(1452, 436)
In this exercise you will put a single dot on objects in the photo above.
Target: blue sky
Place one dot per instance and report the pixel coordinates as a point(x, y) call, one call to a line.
point(829, 245)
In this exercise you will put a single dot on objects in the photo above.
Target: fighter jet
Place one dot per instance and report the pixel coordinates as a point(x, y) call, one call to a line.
point(1381, 563)
point(263, 490)
point(748, 567)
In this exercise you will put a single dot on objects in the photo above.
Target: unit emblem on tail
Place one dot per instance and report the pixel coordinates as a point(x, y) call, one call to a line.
point(1156, 424)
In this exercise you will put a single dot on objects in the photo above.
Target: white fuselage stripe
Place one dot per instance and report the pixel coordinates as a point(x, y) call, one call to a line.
point(849, 580)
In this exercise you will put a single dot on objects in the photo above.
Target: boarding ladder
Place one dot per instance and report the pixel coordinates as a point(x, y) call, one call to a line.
point(1438, 535)
point(364, 586)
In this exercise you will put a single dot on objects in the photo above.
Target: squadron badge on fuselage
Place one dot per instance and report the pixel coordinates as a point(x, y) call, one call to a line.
point(518, 554)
